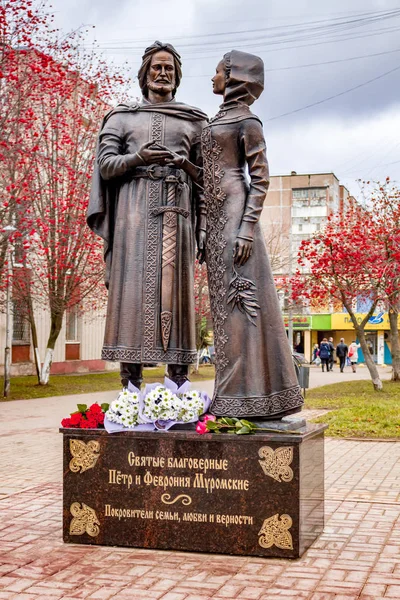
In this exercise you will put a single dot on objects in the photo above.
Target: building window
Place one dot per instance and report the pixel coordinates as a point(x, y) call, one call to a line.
point(309, 197)
point(71, 333)
point(21, 329)
point(300, 227)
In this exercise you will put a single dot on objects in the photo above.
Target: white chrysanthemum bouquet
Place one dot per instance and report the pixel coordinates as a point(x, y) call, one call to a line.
point(125, 409)
point(156, 407)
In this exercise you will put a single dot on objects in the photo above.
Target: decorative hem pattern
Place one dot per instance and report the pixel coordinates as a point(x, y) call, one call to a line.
point(258, 406)
point(131, 355)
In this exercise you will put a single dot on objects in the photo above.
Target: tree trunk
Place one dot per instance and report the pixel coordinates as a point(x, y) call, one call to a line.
point(198, 342)
point(372, 368)
point(35, 342)
point(56, 324)
point(359, 329)
point(395, 345)
point(45, 371)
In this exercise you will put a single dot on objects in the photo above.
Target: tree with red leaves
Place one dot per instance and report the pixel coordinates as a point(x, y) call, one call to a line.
point(19, 21)
point(343, 263)
point(55, 95)
point(384, 202)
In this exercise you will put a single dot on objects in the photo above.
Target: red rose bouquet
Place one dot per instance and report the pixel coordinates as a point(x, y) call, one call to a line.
point(87, 418)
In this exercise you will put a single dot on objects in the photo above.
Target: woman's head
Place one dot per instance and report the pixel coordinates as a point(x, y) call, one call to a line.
point(219, 79)
point(222, 73)
point(239, 77)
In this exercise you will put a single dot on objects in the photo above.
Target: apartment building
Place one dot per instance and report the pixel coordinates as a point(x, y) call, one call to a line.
point(297, 207)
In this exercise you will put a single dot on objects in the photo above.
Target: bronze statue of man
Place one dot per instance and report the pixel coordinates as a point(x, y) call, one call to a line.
point(147, 205)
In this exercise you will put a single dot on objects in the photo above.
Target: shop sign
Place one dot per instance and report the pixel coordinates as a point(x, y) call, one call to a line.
point(377, 322)
point(299, 322)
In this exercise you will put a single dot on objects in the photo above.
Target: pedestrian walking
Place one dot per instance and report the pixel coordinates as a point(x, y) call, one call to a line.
point(324, 354)
point(353, 355)
point(332, 349)
point(342, 351)
point(315, 354)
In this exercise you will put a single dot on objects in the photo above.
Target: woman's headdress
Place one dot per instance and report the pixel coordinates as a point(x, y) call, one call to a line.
point(245, 77)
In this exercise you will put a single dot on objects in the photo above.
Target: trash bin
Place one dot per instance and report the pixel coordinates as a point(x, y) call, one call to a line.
point(304, 376)
point(302, 367)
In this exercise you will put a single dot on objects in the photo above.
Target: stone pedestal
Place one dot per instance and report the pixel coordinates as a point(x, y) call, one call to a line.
point(255, 495)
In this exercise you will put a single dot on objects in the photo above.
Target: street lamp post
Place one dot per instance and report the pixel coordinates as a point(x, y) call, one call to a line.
point(290, 308)
point(8, 230)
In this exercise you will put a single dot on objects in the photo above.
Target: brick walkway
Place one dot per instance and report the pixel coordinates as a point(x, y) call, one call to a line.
point(357, 557)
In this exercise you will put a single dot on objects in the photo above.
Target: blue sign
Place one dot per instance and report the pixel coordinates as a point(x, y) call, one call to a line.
point(376, 319)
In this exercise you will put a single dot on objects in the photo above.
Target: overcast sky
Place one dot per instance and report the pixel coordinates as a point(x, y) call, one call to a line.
point(355, 134)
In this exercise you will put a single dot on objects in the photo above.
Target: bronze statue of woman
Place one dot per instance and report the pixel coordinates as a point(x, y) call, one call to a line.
point(255, 376)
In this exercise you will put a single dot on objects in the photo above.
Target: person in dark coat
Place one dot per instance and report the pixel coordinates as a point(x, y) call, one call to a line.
point(325, 354)
point(342, 351)
point(332, 349)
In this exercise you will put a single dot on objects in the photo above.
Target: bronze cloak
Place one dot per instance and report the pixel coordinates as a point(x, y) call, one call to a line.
point(124, 210)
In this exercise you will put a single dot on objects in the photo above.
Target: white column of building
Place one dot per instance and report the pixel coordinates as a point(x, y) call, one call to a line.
point(381, 348)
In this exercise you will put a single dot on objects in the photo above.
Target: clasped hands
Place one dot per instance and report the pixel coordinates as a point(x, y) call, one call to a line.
point(155, 153)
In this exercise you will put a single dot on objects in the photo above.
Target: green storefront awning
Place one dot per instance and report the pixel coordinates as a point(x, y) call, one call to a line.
point(321, 322)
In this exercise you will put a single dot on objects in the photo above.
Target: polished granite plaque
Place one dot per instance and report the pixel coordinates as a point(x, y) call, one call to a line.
point(255, 495)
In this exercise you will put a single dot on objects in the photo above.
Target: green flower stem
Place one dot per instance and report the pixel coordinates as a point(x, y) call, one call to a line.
point(241, 427)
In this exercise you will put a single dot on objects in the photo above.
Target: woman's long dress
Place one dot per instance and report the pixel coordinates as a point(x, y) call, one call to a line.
point(255, 376)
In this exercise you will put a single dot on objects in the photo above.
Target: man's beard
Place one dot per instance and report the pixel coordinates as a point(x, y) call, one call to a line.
point(163, 89)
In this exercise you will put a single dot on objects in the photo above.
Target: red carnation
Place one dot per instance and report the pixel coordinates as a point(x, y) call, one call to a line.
point(66, 423)
point(95, 408)
point(85, 424)
point(100, 418)
point(76, 419)
point(92, 423)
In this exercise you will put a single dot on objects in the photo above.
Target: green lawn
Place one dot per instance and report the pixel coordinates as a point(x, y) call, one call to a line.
point(24, 388)
point(358, 411)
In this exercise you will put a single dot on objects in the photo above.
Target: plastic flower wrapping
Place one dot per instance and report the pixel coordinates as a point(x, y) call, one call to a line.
point(158, 406)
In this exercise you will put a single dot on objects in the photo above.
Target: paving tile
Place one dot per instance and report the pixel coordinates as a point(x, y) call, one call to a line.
point(251, 593)
point(392, 591)
point(229, 591)
point(132, 593)
point(23, 596)
point(19, 585)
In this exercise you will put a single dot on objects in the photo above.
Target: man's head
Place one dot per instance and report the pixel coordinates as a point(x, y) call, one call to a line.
point(160, 71)
point(331, 339)
point(342, 340)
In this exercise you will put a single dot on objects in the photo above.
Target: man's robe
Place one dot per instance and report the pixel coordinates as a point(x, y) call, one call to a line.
point(124, 209)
